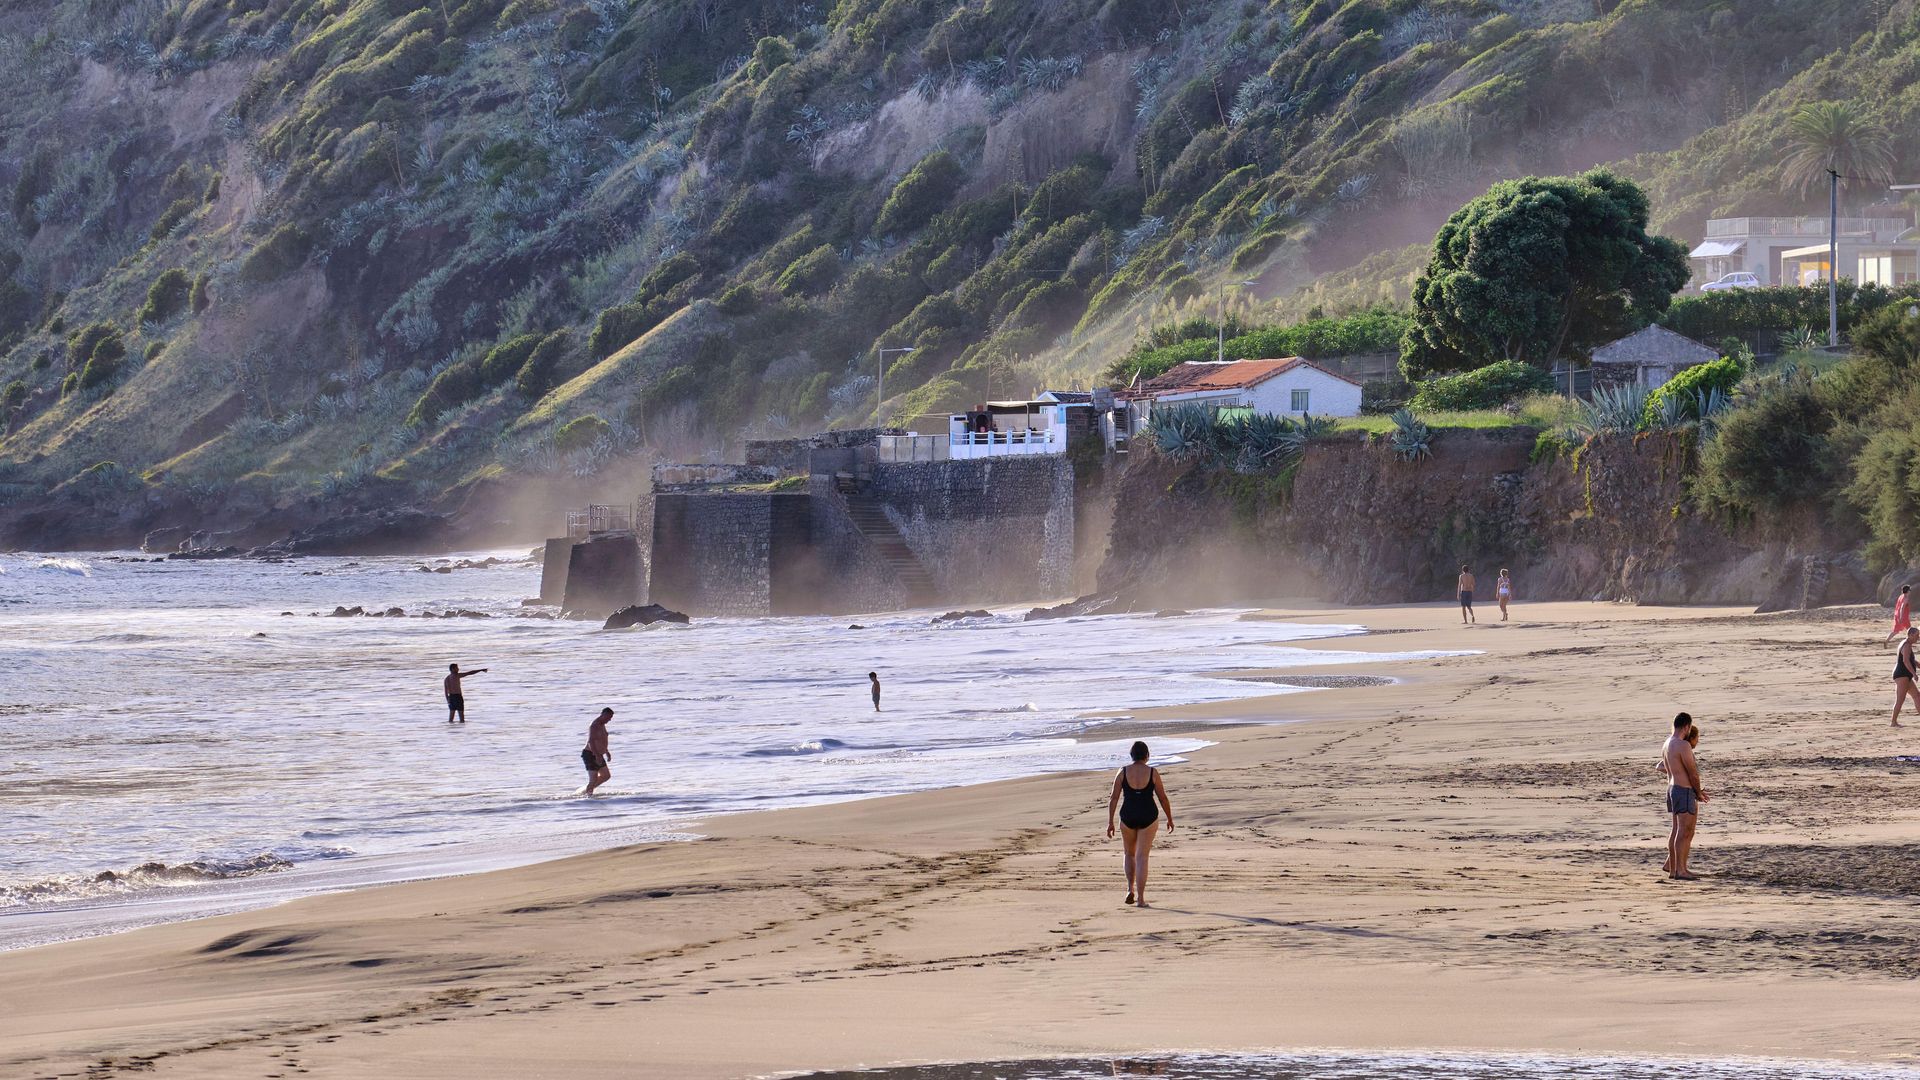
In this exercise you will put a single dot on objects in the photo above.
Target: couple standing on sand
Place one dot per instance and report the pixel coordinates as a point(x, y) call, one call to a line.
point(1684, 794)
point(1905, 667)
point(1502, 591)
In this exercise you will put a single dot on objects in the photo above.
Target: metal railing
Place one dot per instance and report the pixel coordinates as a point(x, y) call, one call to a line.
point(966, 445)
point(1800, 226)
point(599, 519)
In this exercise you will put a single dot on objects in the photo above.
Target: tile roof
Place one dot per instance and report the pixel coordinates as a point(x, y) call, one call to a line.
point(1195, 376)
point(1654, 345)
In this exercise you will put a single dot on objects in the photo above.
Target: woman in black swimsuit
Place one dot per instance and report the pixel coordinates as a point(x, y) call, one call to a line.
point(1905, 669)
point(1135, 790)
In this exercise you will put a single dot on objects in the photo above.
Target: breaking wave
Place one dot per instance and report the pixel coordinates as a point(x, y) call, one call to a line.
point(152, 875)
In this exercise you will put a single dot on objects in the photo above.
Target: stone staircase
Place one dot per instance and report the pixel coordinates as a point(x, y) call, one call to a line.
point(870, 517)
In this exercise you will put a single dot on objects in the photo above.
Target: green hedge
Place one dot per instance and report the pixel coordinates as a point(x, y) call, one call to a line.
point(1708, 316)
point(1375, 330)
point(1482, 388)
point(1722, 375)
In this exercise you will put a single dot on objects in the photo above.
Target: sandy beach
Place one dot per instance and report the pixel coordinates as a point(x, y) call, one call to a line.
point(1466, 859)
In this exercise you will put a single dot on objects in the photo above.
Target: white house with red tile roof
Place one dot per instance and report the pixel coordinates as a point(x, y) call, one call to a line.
point(1287, 386)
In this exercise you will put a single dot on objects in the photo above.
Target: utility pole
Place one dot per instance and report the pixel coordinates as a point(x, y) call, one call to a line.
point(1833, 259)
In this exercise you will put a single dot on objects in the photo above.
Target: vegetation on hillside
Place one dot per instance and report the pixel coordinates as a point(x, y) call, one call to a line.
point(402, 244)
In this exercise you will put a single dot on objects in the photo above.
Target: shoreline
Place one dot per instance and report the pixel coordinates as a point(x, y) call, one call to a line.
point(79, 917)
point(1393, 873)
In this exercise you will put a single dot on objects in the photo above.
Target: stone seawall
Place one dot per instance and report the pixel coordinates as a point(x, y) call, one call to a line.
point(764, 553)
point(712, 552)
point(990, 530)
point(1357, 524)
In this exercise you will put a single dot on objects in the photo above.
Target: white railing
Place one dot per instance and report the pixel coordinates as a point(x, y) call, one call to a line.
point(967, 445)
point(1800, 226)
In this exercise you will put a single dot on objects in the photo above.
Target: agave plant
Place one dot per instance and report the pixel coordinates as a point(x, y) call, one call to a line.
point(1261, 441)
point(1411, 437)
point(1802, 339)
point(1614, 409)
point(1314, 427)
point(1184, 431)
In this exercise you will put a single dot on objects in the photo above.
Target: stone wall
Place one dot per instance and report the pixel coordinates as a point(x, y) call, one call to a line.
point(711, 552)
point(604, 574)
point(792, 455)
point(991, 530)
point(1357, 524)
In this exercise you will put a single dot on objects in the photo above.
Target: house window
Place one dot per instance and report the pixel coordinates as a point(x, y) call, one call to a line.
point(1300, 401)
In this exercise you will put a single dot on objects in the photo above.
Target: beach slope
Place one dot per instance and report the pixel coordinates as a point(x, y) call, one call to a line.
point(1466, 859)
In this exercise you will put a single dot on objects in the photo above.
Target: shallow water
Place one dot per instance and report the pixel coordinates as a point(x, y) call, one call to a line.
point(164, 724)
point(1353, 1066)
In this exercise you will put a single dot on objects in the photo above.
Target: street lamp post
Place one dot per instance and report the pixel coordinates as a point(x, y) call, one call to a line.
point(880, 383)
point(1833, 259)
point(1220, 318)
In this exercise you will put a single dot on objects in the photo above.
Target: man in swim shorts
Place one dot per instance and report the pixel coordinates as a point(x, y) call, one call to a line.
point(874, 678)
point(597, 754)
point(1466, 595)
point(457, 701)
point(1684, 796)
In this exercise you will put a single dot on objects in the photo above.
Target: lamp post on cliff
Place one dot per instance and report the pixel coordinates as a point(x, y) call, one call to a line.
point(880, 383)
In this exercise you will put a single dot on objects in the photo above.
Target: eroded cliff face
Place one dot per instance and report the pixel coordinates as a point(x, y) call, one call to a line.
point(1359, 525)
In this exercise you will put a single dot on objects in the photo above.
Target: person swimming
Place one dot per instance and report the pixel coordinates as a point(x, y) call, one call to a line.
point(1136, 788)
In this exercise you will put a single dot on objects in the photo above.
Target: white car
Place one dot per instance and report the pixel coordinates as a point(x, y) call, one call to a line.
point(1739, 279)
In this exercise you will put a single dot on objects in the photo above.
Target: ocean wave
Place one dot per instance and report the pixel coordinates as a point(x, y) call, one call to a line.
point(119, 639)
point(811, 746)
point(152, 875)
point(65, 566)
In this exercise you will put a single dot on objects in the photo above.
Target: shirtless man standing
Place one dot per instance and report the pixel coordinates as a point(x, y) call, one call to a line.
point(1684, 794)
point(457, 701)
point(1466, 595)
point(597, 754)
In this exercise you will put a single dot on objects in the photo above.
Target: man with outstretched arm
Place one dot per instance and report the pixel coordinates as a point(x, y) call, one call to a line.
point(597, 754)
point(456, 700)
point(1684, 796)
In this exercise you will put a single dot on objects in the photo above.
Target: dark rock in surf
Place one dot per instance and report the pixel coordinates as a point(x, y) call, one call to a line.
point(642, 615)
point(1085, 605)
point(956, 616)
point(346, 612)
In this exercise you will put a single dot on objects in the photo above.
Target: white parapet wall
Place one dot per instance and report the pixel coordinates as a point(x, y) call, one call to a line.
point(967, 446)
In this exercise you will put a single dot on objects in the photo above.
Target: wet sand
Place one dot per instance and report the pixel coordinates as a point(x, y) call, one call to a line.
point(1468, 858)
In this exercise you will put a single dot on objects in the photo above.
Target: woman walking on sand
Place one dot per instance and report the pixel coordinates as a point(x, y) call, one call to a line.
point(1503, 592)
point(1135, 790)
point(1902, 615)
point(1905, 668)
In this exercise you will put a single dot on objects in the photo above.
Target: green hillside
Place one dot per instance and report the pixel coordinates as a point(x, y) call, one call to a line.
point(364, 251)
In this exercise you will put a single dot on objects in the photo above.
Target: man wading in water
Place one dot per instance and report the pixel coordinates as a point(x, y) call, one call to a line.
point(457, 701)
point(597, 753)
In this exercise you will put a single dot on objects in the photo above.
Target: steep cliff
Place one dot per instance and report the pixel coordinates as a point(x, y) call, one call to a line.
point(267, 254)
point(1355, 523)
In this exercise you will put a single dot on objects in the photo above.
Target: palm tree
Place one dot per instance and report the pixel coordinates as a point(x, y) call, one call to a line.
point(1836, 135)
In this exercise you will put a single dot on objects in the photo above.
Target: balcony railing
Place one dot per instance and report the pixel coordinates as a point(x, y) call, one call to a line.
point(599, 519)
point(1803, 226)
point(966, 445)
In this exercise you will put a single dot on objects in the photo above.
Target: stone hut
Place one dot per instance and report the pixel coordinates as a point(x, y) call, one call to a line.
point(1648, 357)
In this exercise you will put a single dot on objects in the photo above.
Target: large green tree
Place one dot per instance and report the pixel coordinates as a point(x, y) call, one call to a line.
point(1537, 269)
